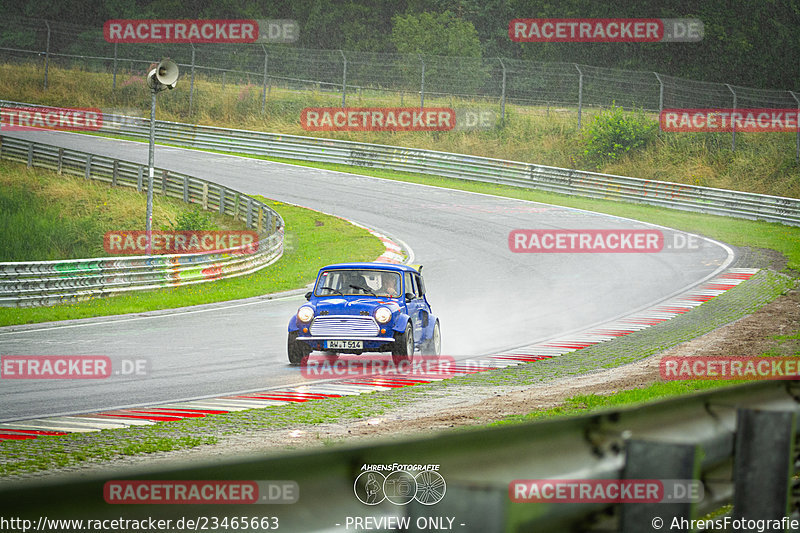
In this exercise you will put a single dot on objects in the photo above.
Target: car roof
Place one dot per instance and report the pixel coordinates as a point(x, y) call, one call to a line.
point(377, 266)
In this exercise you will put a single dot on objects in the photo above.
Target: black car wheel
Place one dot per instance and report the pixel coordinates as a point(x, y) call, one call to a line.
point(298, 350)
point(403, 349)
point(433, 346)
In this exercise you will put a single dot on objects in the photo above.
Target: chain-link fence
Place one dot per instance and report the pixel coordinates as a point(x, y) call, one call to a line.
point(411, 78)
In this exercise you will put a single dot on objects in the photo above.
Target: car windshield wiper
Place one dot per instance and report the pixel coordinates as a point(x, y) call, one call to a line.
point(331, 289)
point(363, 289)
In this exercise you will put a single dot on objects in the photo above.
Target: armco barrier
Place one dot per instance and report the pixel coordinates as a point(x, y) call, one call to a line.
point(47, 282)
point(518, 174)
point(740, 442)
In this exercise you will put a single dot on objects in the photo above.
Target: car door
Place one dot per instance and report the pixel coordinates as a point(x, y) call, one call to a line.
point(414, 304)
point(424, 308)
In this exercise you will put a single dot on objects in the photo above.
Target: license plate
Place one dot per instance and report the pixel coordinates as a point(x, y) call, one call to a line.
point(344, 345)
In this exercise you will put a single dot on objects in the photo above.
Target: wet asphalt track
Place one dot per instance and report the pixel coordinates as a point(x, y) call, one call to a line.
point(487, 297)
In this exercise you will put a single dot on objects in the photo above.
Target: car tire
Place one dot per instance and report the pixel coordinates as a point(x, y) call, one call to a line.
point(433, 346)
point(298, 351)
point(403, 349)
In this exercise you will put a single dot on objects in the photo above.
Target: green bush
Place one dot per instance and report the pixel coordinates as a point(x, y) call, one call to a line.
point(194, 221)
point(615, 132)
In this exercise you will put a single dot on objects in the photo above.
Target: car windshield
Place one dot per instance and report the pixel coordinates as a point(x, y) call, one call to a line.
point(348, 282)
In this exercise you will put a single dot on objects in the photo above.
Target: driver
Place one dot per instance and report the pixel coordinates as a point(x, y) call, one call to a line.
point(390, 285)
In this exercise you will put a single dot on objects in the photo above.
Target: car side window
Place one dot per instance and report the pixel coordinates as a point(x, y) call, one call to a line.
point(410, 286)
point(419, 286)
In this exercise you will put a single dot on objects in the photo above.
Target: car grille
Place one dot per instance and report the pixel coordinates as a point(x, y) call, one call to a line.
point(342, 326)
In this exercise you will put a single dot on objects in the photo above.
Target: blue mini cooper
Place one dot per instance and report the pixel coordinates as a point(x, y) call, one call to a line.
point(365, 307)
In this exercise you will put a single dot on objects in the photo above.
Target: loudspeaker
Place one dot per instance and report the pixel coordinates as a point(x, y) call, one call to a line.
point(165, 73)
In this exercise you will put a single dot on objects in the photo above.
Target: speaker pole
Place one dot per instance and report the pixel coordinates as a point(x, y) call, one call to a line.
point(151, 170)
point(164, 76)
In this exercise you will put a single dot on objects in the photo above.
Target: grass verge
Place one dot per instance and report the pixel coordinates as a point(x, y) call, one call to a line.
point(45, 216)
point(312, 240)
point(23, 457)
point(762, 163)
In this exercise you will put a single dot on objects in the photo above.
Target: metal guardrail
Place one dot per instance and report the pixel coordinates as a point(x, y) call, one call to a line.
point(461, 166)
point(517, 174)
point(740, 443)
point(38, 283)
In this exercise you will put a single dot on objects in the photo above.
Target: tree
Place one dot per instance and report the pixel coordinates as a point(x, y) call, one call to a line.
point(435, 34)
point(424, 36)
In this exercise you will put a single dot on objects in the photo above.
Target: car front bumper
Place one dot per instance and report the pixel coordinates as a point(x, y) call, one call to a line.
point(370, 344)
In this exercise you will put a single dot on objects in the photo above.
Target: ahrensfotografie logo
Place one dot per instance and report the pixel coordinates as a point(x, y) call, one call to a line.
point(398, 484)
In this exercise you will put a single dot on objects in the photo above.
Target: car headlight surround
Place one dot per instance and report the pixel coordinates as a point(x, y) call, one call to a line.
point(305, 313)
point(383, 315)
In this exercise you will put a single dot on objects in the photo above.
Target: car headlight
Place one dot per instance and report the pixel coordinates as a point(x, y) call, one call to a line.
point(305, 314)
point(383, 315)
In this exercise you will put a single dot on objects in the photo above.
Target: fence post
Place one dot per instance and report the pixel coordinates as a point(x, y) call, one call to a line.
point(344, 77)
point(30, 155)
point(223, 79)
point(222, 200)
point(580, 94)
point(114, 173)
point(139, 178)
point(249, 219)
point(657, 460)
point(88, 167)
point(733, 122)
point(191, 85)
point(422, 84)
point(264, 89)
point(660, 95)
point(47, 55)
point(503, 93)
point(60, 160)
point(763, 464)
point(114, 79)
point(186, 189)
point(797, 141)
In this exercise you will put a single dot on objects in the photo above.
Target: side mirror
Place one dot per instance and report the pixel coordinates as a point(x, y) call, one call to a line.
point(409, 296)
point(308, 295)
